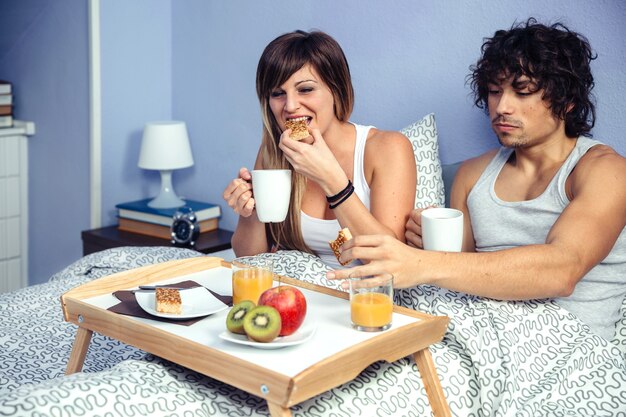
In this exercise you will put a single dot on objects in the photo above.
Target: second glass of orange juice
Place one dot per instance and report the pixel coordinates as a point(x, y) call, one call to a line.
point(251, 279)
point(371, 302)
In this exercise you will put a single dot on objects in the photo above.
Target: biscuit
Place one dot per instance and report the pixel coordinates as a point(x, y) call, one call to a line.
point(298, 128)
point(343, 236)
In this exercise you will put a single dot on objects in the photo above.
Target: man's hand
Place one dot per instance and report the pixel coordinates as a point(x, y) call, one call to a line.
point(383, 254)
point(413, 234)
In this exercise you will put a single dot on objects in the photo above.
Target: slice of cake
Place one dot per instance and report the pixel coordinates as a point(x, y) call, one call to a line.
point(168, 301)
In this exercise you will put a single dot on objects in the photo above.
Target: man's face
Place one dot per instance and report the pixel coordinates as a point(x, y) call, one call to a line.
point(519, 116)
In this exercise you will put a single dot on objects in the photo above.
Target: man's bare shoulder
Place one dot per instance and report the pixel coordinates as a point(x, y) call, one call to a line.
point(471, 169)
point(602, 154)
point(466, 177)
point(601, 165)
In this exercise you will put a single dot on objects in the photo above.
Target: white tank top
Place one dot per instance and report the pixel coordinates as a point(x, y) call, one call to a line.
point(318, 232)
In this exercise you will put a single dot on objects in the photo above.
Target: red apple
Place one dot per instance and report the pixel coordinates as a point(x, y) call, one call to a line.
point(290, 303)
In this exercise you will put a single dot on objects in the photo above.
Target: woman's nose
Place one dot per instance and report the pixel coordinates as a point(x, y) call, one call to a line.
point(291, 103)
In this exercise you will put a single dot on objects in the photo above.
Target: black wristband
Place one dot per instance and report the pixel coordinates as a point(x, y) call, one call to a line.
point(343, 198)
point(340, 194)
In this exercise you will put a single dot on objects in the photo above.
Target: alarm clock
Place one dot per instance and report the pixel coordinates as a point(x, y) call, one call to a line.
point(185, 228)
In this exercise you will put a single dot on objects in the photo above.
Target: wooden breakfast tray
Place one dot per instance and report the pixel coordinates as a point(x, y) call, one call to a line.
point(335, 354)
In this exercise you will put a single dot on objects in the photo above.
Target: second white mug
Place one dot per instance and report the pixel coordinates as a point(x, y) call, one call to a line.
point(442, 229)
point(271, 189)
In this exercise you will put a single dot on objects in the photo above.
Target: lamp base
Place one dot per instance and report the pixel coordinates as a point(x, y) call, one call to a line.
point(167, 198)
point(166, 202)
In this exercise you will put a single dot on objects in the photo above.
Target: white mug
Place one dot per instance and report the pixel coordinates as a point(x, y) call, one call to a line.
point(271, 189)
point(442, 229)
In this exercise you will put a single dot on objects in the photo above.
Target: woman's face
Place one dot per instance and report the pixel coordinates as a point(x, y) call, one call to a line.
point(304, 94)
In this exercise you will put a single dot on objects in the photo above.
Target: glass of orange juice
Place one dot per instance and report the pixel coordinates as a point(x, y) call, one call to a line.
point(251, 276)
point(371, 302)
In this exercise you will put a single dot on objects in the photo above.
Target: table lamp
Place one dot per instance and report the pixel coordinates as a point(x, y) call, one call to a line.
point(165, 147)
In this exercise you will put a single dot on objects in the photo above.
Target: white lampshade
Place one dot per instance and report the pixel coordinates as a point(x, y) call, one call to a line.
point(165, 147)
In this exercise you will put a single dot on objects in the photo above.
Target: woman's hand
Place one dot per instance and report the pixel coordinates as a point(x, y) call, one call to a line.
point(312, 158)
point(238, 194)
point(383, 254)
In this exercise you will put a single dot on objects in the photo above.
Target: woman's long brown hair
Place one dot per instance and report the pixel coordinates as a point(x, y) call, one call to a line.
point(281, 58)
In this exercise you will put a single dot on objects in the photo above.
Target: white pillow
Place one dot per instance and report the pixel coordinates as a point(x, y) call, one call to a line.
point(423, 137)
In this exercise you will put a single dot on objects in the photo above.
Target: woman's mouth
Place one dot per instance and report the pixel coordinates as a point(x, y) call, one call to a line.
point(307, 119)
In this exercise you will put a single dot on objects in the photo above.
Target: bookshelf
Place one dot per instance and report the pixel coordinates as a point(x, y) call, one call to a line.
point(14, 205)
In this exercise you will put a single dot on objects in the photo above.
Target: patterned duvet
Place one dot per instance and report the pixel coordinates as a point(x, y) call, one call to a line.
point(497, 359)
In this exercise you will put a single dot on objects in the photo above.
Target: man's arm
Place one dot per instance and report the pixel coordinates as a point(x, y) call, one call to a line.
point(589, 226)
point(582, 236)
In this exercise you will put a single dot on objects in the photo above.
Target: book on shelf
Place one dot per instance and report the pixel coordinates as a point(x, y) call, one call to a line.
point(160, 231)
point(5, 87)
point(6, 99)
point(139, 210)
point(6, 121)
point(6, 110)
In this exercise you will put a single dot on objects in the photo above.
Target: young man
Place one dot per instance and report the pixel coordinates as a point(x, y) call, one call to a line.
point(545, 214)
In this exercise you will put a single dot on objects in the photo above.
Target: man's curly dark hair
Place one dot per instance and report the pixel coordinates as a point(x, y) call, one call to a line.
point(556, 59)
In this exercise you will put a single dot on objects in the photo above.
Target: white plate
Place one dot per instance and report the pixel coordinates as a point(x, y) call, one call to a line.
point(304, 333)
point(197, 302)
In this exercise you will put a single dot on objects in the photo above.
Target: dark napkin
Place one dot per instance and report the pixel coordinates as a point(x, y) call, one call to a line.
point(130, 307)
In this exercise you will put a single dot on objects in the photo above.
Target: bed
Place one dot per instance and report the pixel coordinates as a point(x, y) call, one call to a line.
point(497, 358)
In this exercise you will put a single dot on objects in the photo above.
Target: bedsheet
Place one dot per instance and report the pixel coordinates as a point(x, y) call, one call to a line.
point(496, 359)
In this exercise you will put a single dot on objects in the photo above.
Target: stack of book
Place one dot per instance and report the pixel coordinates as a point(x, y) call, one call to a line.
point(138, 217)
point(6, 104)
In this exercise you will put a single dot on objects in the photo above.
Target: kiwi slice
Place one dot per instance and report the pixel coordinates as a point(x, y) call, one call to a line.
point(262, 323)
point(234, 320)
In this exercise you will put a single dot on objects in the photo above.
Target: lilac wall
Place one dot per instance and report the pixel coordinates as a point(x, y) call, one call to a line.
point(136, 65)
point(195, 61)
point(44, 52)
point(407, 59)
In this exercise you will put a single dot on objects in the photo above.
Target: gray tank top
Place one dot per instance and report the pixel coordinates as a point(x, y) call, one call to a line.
point(499, 225)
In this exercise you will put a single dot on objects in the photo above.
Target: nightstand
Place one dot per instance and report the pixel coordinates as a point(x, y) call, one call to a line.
point(111, 237)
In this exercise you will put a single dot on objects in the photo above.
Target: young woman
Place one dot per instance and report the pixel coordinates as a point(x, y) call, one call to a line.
point(306, 75)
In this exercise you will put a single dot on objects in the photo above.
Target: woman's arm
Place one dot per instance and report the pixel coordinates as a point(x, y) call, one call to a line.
point(391, 174)
point(389, 166)
point(250, 237)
